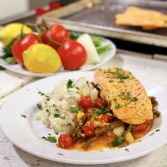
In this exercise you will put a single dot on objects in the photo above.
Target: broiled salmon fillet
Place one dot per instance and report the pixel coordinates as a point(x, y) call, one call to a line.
point(146, 18)
point(128, 98)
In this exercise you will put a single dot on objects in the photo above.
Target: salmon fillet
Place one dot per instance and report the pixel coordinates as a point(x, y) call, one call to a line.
point(148, 19)
point(128, 98)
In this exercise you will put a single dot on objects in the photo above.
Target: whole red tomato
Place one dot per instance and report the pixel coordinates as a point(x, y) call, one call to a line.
point(57, 33)
point(72, 54)
point(65, 141)
point(22, 44)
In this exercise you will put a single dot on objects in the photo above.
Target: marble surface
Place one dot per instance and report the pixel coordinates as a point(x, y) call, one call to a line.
point(143, 67)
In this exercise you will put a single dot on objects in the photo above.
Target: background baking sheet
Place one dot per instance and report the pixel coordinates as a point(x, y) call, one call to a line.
point(102, 17)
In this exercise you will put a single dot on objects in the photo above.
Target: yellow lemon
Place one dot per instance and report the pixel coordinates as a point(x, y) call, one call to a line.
point(41, 58)
point(11, 31)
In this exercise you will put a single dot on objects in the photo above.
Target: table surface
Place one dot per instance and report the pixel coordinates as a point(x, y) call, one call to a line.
point(141, 65)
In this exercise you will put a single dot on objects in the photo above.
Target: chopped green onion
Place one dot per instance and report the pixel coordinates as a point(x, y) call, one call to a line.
point(117, 141)
point(89, 142)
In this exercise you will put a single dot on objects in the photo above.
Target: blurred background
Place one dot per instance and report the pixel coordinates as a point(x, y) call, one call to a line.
point(9, 8)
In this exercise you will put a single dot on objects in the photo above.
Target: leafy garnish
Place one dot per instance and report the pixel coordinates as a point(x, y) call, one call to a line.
point(74, 109)
point(51, 139)
point(103, 49)
point(103, 110)
point(10, 60)
point(119, 74)
point(70, 84)
point(157, 130)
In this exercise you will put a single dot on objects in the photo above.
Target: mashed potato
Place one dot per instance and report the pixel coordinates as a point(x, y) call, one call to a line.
point(57, 111)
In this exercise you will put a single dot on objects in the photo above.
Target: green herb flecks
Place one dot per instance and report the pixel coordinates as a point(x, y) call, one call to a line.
point(24, 116)
point(110, 81)
point(89, 142)
point(103, 49)
point(128, 96)
point(43, 94)
point(74, 109)
point(118, 74)
point(39, 106)
point(119, 140)
point(56, 115)
point(51, 139)
point(103, 110)
point(70, 84)
point(118, 106)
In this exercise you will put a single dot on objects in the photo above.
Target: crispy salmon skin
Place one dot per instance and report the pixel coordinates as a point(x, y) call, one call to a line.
point(127, 96)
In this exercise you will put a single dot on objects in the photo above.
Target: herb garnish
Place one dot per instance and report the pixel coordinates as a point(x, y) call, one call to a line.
point(74, 109)
point(70, 84)
point(51, 139)
point(43, 94)
point(128, 96)
point(39, 106)
point(119, 75)
point(24, 116)
point(103, 110)
point(117, 141)
point(157, 130)
point(58, 116)
point(117, 106)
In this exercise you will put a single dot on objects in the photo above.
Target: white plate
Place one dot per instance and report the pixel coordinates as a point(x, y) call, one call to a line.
point(26, 132)
point(19, 69)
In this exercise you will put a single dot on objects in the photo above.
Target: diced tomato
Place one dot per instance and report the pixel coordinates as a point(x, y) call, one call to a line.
point(100, 103)
point(86, 102)
point(140, 130)
point(104, 118)
point(88, 129)
point(65, 141)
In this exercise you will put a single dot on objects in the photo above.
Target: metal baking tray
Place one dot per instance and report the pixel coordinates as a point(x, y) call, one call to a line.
point(97, 17)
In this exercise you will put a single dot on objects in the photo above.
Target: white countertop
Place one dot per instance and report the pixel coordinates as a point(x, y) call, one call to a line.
point(142, 67)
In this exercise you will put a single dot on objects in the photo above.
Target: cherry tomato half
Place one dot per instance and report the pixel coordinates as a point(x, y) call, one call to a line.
point(65, 141)
point(72, 54)
point(88, 129)
point(22, 44)
point(57, 33)
point(86, 102)
point(104, 118)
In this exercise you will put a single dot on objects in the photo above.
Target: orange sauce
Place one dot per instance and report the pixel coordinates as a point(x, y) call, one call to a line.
point(102, 141)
